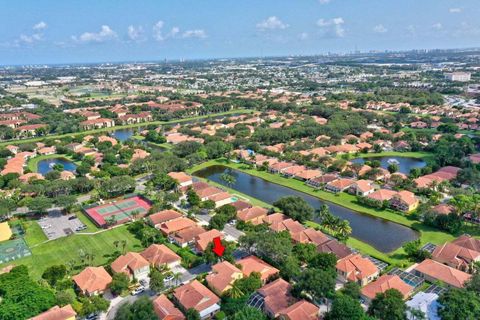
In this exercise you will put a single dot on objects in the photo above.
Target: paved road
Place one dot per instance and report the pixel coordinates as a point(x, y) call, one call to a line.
point(229, 230)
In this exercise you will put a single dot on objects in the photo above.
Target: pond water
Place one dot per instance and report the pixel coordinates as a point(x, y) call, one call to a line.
point(405, 164)
point(384, 235)
point(45, 166)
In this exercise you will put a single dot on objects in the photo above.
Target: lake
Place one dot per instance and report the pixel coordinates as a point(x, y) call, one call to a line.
point(45, 166)
point(384, 235)
point(405, 164)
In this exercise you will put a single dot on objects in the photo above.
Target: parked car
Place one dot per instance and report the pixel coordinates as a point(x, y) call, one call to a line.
point(138, 291)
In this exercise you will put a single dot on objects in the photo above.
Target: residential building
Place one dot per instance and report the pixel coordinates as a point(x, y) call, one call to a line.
point(159, 256)
point(165, 309)
point(433, 271)
point(302, 310)
point(276, 297)
point(339, 185)
point(357, 269)
point(57, 313)
point(163, 216)
point(195, 295)
point(253, 264)
point(92, 280)
point(223, 275)
point(427, 303)
point(405, 201)
point(254, 215)
point(204, 239)
point(383, 284)
point(133, 265)
point(183, 179)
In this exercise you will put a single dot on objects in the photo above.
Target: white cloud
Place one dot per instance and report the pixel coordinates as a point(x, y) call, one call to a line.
point(303, 36)
point(105, 34)
point(437, 26)
point(159, 35)
point(455, 10)
point(198, 33)
point(136, 33)
point(332, 27)
point(380, 29)
point(272, 23)
point(324, 1)
point(40, 26)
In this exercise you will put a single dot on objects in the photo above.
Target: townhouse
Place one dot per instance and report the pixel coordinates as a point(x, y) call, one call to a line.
point(92, 281)
point(383, 284)
point(357, 269)
point(133, 265)
point(434, 271)
point(195, 295)
point(223, 275)
point(160, 256)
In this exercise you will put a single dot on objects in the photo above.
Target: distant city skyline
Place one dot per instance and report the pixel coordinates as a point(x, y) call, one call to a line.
point(53, 32)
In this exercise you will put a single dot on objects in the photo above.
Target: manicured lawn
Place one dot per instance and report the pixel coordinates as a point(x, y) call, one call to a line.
point(427, 234)
point(91, 227)
point(134, 125)
point(33, 232)
point(418, 155)
point(67, 249)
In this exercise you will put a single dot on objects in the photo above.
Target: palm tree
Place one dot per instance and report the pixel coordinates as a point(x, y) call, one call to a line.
point(235, 292)
point(177, 276)
point(124, 245)
point(343, 229)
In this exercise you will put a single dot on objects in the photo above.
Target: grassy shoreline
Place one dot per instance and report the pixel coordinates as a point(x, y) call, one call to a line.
point(127, 126)
point(32, 163)
point(427, 234)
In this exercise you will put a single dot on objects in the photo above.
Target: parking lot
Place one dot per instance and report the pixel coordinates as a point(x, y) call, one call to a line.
point(56, 225)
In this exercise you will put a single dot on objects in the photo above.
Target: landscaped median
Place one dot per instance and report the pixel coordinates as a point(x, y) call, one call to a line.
point(427, 234)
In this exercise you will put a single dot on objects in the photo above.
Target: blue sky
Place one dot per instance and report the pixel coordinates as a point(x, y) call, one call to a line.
point(53, 31)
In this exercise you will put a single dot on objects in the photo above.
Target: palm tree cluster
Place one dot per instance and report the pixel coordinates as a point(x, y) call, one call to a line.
point(338, 227)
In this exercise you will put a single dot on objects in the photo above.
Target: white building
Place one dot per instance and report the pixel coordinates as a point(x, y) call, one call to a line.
point(425, 302)
point(458, 76)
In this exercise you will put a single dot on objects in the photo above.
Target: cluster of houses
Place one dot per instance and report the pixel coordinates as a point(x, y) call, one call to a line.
point(465, 120)
point(403, 200)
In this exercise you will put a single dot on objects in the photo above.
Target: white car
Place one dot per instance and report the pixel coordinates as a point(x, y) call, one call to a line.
point(138, 291)
point(168, 278)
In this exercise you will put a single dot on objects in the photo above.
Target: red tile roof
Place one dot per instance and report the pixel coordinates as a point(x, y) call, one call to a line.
point(385, 283)
point(92, 279)
point(195, 295)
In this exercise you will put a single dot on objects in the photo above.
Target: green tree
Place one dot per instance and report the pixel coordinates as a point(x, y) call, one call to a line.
point(295, 207)
point(141, 309)
point(388, 305)
point(351, 289)
point(345, 308)
point(249, 313)
point(120, 283)
point(192, 314)
point(459, 304)
point(193, 198)
point(156, 280)
point(316, 283)
point(54, 273)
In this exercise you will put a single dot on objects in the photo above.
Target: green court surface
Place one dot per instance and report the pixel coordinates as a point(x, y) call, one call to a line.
point(107, 210)
point(126, 204)
point(13, 249)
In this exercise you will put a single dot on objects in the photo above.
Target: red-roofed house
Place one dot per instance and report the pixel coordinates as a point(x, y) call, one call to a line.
point(92, 280)
point(433, 271)
point(339, 185)
point(383, 284)
point(405, 201)
point(204, 239)
point(195, 295)
point(133, 265)
point(302, 310)
point(184, 180)
point(357, 269)
point(254, 215)
point(223, 276)
point(158, 218)
point(57, 313)
point(166, 310)
point(253, 264)
point(276, 297)
point(455, 256)
point(159, 255)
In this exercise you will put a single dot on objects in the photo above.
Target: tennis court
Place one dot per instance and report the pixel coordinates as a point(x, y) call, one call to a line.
point(119, 211)
point(13, 249)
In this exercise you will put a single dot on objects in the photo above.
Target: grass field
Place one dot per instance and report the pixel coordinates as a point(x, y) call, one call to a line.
point(67, 250)
point(427, 234)
point(127, 126)
point(91, 227)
